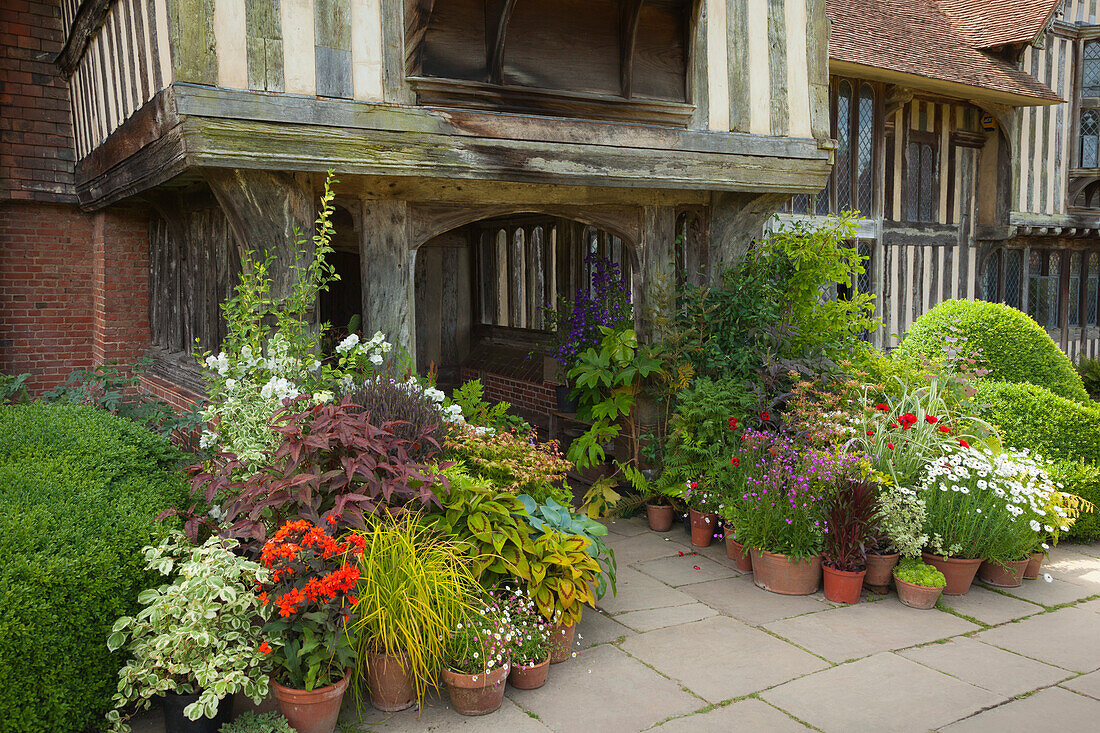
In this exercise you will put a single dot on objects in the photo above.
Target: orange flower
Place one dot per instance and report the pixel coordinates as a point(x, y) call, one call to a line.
point(265, 648)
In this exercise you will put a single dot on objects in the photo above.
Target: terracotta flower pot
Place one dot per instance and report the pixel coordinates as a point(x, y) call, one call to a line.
point(959, 571)
point(736, 551)
point(917, 596)
point(529, 677)
point(315, 711)
point(660, 517)
point(1001, 576)
point(703, 527)
point(880, 569)
point(787, 576)
point(1034, 565)
point(842, 586)
point(476, 694)
point(561, 642)
point(391, 688)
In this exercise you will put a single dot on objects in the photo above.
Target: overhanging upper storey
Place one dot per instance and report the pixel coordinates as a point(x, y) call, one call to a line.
point(689, 94)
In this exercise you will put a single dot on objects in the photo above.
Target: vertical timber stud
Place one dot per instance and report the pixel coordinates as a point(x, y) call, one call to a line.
point(191, 30)
point(264, 41)
point(387, 271)
point(657, 260)
point(817, 56)
point(264, 209)
point(737, 72)
point(777, 67)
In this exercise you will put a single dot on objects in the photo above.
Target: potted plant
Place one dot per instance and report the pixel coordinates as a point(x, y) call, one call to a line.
point(703, 510)
point(660, 507)
point(414, 588)
point(898, 531)
point(312, 589)
point(731, 483)
point(562, 576)
point(476, 664)
point(529, 648)
point(194, 644)
point(849, 514)
point(919, 584)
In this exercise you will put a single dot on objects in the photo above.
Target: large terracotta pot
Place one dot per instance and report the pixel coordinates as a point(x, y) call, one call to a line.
point(315, 711)
point(391, 688)
point(781, 574)
point(1008, 575)
point(736, 551)
point(842, 586)
point(880, 569)
point(917, 596)
point(660, 516)
point(959, 571)
point(703, 527)
point(176, 722)
point(561, 642)
point(530, 677)
point(476, 694)
point(1034, 565)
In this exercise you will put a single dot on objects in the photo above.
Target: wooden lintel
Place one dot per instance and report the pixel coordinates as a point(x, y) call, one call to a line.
point(497, 15)
point(630, 11)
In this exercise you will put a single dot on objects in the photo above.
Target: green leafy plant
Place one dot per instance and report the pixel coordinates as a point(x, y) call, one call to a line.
point(250, 722)
point(195, 634)
point(1089, 371)
point(1081, 480)
point(553, 517)
point(1048, 424)
point(529, 632)
point(703, 430)
point(414, 589)
point(900, 521)
point(13, 389)
point(916, 572)
point(476, 411)
point(516, 463)
point(562, 572)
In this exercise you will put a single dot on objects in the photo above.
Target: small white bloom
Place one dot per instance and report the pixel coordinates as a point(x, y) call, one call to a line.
point(348, 344)
point(1047, 577)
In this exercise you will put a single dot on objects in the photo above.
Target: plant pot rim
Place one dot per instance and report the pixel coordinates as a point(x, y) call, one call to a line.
point(543, 663)
point(662, 502)
point(791, 558)
point(917, 585)
point(342, 683)
point(474, 681)
point(952, 558)
point(838, 571)
point(885, 556)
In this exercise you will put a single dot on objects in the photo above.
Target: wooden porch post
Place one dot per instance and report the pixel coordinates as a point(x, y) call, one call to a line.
point(735, 220)
point(388, 267)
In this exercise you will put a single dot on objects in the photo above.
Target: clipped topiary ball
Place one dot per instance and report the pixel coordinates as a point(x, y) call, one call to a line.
point(1015, 348)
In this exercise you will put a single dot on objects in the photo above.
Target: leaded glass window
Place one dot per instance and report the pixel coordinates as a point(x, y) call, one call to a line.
point(993, 277)
point(1090, 70)
point(1014, 262)
point(865, 147)
point(1091, 282)
point(864, 280)
point(1075, 289)
point(1090, 139)
point(844, 147)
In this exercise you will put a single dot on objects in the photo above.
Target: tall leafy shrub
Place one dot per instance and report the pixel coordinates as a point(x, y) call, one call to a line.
point(1029, 416)
point(79, 488)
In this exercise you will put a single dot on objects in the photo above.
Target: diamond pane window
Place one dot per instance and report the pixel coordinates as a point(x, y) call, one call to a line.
point(1090, 139)
point(863, 280)
point(844, 147)
point(801, 203)
point(992, 277)
point(1075, 289)
point(821, 207)
point(926, 163)
point(1036, 288)
point(1090, 70)
point(1091, 286)
point(1054, 292)
point(865, 147)
point(1014, 261)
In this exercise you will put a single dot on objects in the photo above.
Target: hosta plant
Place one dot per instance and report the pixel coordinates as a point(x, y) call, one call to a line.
point(554, 516)
point(196, 633)
point(562, 573)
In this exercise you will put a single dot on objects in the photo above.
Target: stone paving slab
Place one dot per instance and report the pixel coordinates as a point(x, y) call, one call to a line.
point(720, 658)
point(739, 598)
point(642, 547)
point(438, 715)
point(880, 693)
point(684, 570)
point(1067, 638)
point(598, 628)
point(746, 715)
point(638, 591)
point(659, 618)
point(1054, 593)
point(1051, 709)
point(1086, 684)
point(987, 666)
point(628, 527)
point(988, 606)
point(857, 631)
point(608, 691)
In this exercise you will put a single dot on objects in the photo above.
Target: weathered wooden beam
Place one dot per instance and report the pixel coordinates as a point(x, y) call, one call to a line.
point(736, 219)
point(630, 11)
point(817, 56)
point(332, 39)
point(191, 30)
point(264, 45)
point(89, 17)
point(497, 15)
point(388, 269)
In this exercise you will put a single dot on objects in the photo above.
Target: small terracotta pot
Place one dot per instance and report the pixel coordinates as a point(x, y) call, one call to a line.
point(917, 596)
point(660, 517)
point(530, 677)
point(476, 694)
point(781, 574)
point(703, 527)
point(315, 711)
point(1034, 565)
point(842, 586)
point(959, 571)
point(391, 688)
point(1008, 575)
point(736, 551)
point(561, 642)
point(880, 569)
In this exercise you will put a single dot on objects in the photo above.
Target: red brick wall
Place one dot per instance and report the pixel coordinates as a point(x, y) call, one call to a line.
point(534, 396)
point(45, 291)
point(36, 140)
point(120, 285)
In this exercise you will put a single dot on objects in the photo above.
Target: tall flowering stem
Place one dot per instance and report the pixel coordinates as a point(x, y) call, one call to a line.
point(576, 323)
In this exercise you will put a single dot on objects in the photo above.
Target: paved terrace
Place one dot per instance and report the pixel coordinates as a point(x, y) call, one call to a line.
point(690, 644)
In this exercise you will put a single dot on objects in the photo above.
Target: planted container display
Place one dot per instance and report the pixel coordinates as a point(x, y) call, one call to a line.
point(919, 585)
point(1003, 575)
point(476, 664)
point(529, 637)
point(849, 512)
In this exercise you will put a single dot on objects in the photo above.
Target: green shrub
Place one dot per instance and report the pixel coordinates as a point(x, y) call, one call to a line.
point(1014, 347)
point(1089, 369)
point(1083, 480)
point(1031, 417)
point(79, 489)
point(916, 572)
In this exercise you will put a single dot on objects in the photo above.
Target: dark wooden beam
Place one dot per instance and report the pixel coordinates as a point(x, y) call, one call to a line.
point(417, 15)
point(89, 17)
point(497, 15)
point(629, 13)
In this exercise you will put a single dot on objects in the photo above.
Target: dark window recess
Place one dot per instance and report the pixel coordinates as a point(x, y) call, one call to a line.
point(865, 141)
point(1091, 280)
point(1014, 262)
point(1074, 289)
point(1090, 70)
point(864, 281)
point(1044, 296)
point(843, 169)
point(992, 290)
point(921, 182)
point(1090, 139)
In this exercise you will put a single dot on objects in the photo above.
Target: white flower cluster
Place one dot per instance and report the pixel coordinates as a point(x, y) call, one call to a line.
point(374, 350)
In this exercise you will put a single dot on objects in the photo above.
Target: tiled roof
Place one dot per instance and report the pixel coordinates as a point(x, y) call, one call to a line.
point(991, 23)
point(916, 37)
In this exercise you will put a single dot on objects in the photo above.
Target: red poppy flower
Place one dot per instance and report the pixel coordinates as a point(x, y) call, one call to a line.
point(870, 432)
point(931, 419)
point(694, 485)
point(890, 446)
point(882, 408)
point(265, 648)
point(733, 423)
point(744, 438)
point(944, 429)
point(894, 425)
point(964, 444)
point(765, 416)
point(735, 461)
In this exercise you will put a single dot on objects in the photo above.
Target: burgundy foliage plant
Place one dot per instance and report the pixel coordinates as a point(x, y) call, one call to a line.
point(849, 514)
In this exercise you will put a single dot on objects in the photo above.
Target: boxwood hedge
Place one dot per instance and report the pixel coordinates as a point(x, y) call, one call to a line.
point(1015, 347)
point(79, 490)
point(1082, 479)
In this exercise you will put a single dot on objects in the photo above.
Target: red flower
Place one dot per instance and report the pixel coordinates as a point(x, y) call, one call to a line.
point(765, 416)
point(744, 438)
point(870, 432)
point(893, 425)
point(964, 444)
point(931, 419)
point(733, 423)
point(696, 567)
point(694, 485)
point(882, 408)
point(890, 446)
point(735, 461)
point(944, 429)
point(265, 648)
